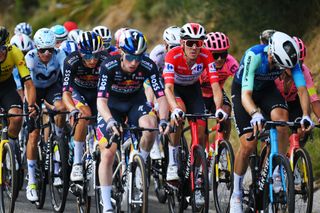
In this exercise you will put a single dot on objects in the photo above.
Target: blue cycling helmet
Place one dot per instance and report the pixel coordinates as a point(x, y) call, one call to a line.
point(68, 47)
point(133, 42)
point(89, 42)
point(60, 32)
point(23, 28)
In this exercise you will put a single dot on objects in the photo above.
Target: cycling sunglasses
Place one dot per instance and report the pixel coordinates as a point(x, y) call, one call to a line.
point(90, 56)
point(222, 55)
point(130, 58)
point(191, 43)
point(3, 48)
point(42, 51)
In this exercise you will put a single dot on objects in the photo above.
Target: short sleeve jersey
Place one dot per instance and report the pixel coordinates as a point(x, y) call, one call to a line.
point(176, 70)
point(115, 82)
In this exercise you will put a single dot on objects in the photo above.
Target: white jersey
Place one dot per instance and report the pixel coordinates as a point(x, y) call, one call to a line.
point(158, 55)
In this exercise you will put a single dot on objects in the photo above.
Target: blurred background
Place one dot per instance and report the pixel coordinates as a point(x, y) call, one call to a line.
point(242, 21)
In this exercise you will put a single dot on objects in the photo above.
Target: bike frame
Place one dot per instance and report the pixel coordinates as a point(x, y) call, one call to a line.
point(4, 140)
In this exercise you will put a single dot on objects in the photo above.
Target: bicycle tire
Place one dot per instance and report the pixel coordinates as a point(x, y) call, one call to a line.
point(280, 197)
point(59, 193)
point(199, 155)
point(223, 183)
point(8, 193)
point(41, 176)
point(306, 180)
point(83, 200)
point(138, 162)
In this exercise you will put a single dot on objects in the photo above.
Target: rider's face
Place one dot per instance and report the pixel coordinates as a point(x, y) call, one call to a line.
point(45, 55)
point(192, 48)
point(3, 53)
point(130, 62)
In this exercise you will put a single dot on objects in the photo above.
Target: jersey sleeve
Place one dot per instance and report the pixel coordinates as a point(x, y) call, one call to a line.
point(251, 63)
point(233, 65)
point(21, 64)
point(156, 83)
point(298, 77)
point(310, 84)
point(68, 75)
point(104, 83)
point(16, 78)
point(168, 71)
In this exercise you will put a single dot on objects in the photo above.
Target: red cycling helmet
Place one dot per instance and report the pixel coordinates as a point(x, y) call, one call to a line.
point(70, 25)
point(302, 48)
point(217, 41)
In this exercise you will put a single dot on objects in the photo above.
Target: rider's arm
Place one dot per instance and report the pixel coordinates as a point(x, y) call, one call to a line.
point(168, 75)
point(250, 64)
point(300, 83)
point(103, 109)
point(67, 90)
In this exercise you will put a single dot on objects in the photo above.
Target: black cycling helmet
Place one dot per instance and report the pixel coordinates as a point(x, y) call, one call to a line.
point(4, 36)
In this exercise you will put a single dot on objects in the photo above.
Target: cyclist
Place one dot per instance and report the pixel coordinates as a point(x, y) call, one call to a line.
point(73, 35)
point(106, 36)
point(45, 64)
point(24, 43)
point(61, 34)
point(23, 28)
point(121, 94)
point(289, 91)
point(226, 65)
point(68, 47)
point(116, 38)
point(171, 38)
point(70, 25)
point(81, 75)
point(10, 57)
point(253, 89)
point(183, 67)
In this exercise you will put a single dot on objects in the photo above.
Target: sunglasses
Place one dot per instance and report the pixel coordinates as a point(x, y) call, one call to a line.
point(191, 43)
point(3, 48)
point(130, 58)
point(44, 50)
point(222, 55)
point(90, 56)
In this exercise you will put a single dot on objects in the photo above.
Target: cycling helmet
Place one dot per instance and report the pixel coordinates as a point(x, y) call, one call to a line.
point(104, 32)
point(302, 48)
point(193, 31)
point(266, 35)
point(73, 35)
point(60, 32)
point(89, 42)
point(217, 41)
point(22, 41)
point(132, 42)
point(23, 28)
point(171, 36)
point(44, 38)
point(118, 33)
point(70, 25)
point(68, 47)
point(4, 36)
point(284, 50)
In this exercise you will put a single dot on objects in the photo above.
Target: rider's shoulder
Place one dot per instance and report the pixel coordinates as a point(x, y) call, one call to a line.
point(111, 62)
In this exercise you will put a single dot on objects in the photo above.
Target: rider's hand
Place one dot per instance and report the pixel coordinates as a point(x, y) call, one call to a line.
point(163, 126)
point(256, 122)
point(221, 115)
point(306, 123)
point(177, 115)
point(113, 126)
point(75, 113)
point(33, 110)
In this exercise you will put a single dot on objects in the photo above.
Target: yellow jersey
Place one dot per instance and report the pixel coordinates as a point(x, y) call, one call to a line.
point(14, 58)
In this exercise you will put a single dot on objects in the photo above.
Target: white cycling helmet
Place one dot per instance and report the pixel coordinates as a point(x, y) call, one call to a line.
point(22, 41)
point(171, 36)
point(60, 32)
point(23, 28)
point(284, 50)
point(192, 31)
point(105, 34)
point(44, 38)
point(118, 33)
point(73, 35)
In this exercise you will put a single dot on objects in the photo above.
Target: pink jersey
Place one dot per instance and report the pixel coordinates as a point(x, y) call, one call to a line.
point(229, 68)
point(292, 92)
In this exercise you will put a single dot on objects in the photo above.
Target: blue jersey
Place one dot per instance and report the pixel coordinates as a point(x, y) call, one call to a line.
point(254, 72)
point(17, 78)
point(44, 75)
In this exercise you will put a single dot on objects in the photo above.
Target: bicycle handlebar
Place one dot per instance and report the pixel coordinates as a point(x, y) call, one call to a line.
point(77, 120)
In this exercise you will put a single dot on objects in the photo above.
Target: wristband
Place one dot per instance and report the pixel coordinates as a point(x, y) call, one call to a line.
point(254, 112)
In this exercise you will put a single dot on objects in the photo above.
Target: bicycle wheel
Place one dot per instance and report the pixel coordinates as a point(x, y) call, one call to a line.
point(9, 179)
point(303, 181)
point(83, 199)
point(199, 179)
point(59, 191)
point(283, 198)
point(41, 175)
point(139, 189)
point(222, 172)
